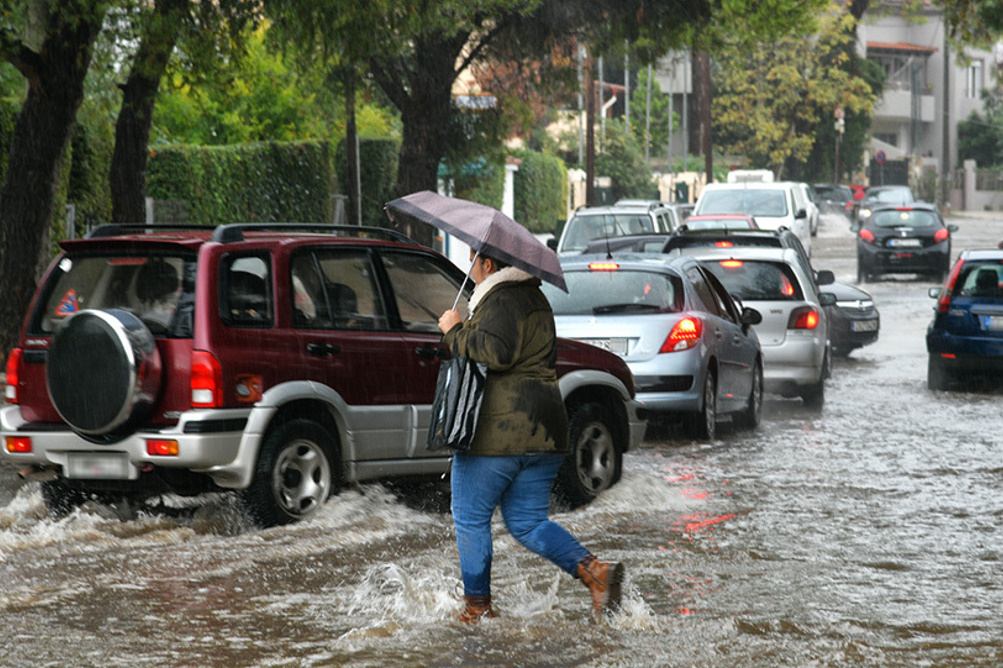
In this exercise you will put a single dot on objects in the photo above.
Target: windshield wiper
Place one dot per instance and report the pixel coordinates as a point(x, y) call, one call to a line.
point(624, 308)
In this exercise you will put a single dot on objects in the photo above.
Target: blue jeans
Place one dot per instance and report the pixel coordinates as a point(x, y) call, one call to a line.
point(520, 485)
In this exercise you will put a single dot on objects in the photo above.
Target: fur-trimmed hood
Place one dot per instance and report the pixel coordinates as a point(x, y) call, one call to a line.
point(508, 274)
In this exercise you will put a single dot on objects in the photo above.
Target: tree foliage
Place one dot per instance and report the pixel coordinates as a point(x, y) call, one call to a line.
point(771, 98)
point(980, 138)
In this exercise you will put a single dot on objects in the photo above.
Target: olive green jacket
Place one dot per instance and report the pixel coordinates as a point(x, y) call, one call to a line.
point(511, 328)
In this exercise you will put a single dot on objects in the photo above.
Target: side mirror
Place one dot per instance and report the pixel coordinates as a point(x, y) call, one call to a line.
point(825, 277)
point(751, 316)
point(552, 243)
point(952, 228)
point(826, 299)
point(933, 292)
point(801, 213)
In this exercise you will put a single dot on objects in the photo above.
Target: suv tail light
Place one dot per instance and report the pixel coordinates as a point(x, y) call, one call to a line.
point(805, 317)
point(685, 334)
point(944, 300)
point(207, 380)
point(941, 235)
point(866, 236)
point(13, 375)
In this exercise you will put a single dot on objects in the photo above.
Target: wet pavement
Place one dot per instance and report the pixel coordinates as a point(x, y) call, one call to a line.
point(866, 535)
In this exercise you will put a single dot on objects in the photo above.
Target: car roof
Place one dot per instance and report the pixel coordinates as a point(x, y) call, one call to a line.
point(722, 216)
point(768, 254)
point(191, 237)
point(982, 254)
point(630, 260)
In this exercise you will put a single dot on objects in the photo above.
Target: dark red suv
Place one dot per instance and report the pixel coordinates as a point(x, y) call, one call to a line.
point(282, 361)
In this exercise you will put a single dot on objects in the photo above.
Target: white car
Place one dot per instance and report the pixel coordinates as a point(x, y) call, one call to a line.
point(794, 332)
point(810, 205)
point(774, 205)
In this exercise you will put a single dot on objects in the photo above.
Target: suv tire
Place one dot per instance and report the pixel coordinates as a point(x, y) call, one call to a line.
point(60, 499)
point(102, 372)
point(594, 463)
point(297, 471)
point(937, 377)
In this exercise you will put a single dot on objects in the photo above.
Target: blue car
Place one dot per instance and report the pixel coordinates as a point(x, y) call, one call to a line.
point(692, 349)
point(965, 338)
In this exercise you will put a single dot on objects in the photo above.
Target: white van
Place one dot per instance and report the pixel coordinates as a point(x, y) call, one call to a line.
point(774, 205)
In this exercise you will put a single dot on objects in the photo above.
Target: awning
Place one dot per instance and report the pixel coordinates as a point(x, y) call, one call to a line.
point(902, 48)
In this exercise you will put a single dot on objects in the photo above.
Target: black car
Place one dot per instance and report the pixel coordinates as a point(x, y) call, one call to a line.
point(909, 239)
point(854, 321)
point(834, 199)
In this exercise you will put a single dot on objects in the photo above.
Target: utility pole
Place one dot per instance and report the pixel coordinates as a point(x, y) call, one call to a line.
point(590, 135)
point(626, 89)
point(647, 123)
point(840, 127)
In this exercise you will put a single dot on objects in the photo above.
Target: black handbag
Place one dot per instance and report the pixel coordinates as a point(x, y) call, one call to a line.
point(459, 392)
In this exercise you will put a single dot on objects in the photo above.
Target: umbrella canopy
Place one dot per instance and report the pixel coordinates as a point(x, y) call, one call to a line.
point(485, 229)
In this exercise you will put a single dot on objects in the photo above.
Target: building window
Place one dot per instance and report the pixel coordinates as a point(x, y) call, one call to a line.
point(887, 137)
point(974, 84)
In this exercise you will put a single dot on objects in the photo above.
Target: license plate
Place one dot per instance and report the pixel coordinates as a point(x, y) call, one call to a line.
point(905, 243)
point(992, 323)
point(864, 325)
point(614, 345)
point(99, 466)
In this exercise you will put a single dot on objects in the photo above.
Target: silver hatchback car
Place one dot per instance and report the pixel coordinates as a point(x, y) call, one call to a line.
point(794, 332)
point(691, 348)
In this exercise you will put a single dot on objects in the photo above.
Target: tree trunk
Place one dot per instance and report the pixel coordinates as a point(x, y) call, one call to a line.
point(139, 94)
point(352, 178)
point(55, 75)
point(590, 134)
point(425, 103)
point(706, 144)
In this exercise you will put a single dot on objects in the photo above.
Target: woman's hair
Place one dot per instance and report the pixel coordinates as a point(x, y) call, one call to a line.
point(499, 265)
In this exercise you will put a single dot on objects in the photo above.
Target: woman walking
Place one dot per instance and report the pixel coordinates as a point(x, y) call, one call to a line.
point(520, 441)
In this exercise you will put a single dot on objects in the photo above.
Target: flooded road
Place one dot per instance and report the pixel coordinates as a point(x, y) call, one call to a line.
point(867, 535)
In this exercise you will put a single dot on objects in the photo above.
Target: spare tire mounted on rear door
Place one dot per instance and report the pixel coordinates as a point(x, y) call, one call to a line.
point(103, 373)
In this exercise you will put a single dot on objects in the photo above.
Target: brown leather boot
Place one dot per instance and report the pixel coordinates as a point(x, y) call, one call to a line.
point(478, 608)
point(603, 580)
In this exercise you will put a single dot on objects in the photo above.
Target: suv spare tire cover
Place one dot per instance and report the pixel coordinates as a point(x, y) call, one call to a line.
point(103, 371)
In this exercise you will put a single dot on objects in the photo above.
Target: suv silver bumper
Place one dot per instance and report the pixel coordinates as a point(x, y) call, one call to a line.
point(206, 440)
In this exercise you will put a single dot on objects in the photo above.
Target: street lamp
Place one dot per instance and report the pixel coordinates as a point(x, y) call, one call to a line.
point(840, 128)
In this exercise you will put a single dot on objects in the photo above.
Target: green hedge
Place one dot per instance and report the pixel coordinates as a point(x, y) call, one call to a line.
point(264, 182)
point(541, 191)
point(378, 160)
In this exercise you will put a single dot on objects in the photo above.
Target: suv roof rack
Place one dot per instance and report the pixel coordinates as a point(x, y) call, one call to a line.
point(116, 229)
point(235, 232)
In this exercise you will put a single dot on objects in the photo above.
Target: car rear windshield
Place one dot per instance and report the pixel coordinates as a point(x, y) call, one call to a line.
point(583, 229)
point(719, 224)
point(771, 203)
point(904, 218)
point(889, 196)
point(615, 291)
point(757, 280)
point(980, 279)
point(159, 289)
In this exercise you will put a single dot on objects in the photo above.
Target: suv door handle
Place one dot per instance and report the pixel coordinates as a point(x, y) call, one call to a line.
point(430, 352)
point(322, 349)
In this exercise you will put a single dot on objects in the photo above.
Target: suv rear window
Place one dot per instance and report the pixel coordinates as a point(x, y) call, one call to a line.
point(159, 289)
point(771, 203)
point(756, 280)
point(604, 292)
point(583, 229)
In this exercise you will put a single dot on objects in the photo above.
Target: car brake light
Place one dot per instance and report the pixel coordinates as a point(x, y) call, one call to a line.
point(941, 235)
point(805, 317)
point(731, 264)
point(18, 444)
point(944, 301)
point(13, 376)
point(685, 334)
point(723, 244)
point(603, 266)
point(160, 447)
point(207, 380)
point(867, 236)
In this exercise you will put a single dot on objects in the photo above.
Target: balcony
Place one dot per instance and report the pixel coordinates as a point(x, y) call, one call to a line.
point(897, 105)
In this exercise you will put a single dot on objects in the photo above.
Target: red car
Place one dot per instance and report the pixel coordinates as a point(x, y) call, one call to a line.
point(278, 361)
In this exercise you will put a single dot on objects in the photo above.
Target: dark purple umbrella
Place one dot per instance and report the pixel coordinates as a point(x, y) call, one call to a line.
point(485, 229)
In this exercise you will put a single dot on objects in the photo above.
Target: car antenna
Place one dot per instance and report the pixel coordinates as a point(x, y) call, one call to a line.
point(605, 231)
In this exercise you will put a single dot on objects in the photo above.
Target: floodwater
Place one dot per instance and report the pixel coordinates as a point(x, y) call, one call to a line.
point(867, 535)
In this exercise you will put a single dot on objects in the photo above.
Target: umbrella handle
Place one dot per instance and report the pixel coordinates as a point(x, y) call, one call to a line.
point(465, 279)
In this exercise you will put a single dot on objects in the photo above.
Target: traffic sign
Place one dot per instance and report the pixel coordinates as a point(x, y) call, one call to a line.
point(879, 157)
